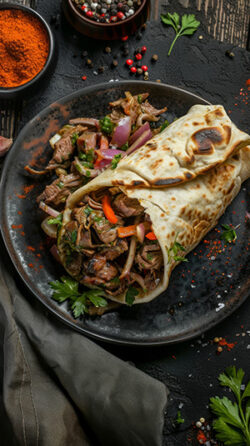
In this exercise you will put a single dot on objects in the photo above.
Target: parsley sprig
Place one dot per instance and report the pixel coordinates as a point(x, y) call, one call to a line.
point(233, 423)
point(174, 250)
point(115, 161)
point(131, 293)
point(68, 288)
point(229, 233)
point(179, 419)
point(188, 26)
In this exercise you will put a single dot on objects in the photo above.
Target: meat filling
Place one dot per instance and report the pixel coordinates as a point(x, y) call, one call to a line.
point(105, 248)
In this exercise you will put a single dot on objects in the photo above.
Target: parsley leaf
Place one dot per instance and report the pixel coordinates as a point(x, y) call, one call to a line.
point(232, 425)
point(179, 419)
point(130, 295)
point(88, 210)
point(115, 161)
point(56, 221)
point(164, 125)
point(68, 288)
point(229, 233)
point(73, 236)
point(139, 98)
point(74, 138)
point(125, 146)
point(188, 26)
point(107, 126)
point(174, 250)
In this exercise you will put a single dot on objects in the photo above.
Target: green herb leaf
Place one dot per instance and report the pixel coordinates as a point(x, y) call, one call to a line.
point(115, 281)
point(149, 257)
point(179, 419)
point(246, 393)
point(56, 221)
point(189, 25)
point(82, 156)
point(115, 161)
point(79, 307)
point(229, 233)
point(106, 125)
point(60, 184)
point(180, 259)
point(73, 236)
point(88, 210)
point(164, 125)
point(227, 434)
point(95, 296)
point(174, 250)
point(139, 99)
point(125, 146)
point(130, 295)
point(228, 411)
point(67, 288)
point(74, 138)
point(232, 378)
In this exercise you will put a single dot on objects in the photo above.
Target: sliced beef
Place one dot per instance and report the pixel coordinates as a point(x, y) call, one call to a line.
point(149, 257)
point(50, 193)
point(115, 251)
point(107, 272)
point(63, 150)
point(87, 141)
point(105, 231)
point(85, 239)
point(59, 190)
point(75, 264)
point(92, 281)
point(95, 264)
point(127, 207)
point(85, 121)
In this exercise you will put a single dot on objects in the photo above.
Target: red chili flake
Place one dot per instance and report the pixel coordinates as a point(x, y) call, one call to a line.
point(16, 226)
point(41, 266)
point(30, 265)
point(22, 233)
point(83, 7)
point(30, 248)
point(247, 82)
point(201, 437)
point(38, 255)
point(27, 189)
point(21, 196)
point(19, 213)
point(84, 78)
point(229, 346)
point(173, 356)
point(129, 62)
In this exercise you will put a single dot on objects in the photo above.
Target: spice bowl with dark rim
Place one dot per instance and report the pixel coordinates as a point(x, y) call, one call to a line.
point(105, 31)
point(21, 90)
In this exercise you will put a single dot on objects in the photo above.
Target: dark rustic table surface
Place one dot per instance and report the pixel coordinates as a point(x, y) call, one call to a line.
point(190, 370)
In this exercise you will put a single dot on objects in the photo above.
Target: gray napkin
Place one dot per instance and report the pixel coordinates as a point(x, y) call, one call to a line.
point(60, 388)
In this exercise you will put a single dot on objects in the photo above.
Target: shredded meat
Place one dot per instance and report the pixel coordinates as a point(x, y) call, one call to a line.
point(127, 207)
point(86, 141)
point(96, 263)
point(85, 121)
point(57, 191)
point(63, 150)
point(115, 251)
point(75, 264)
point(149, 257)
point(105, 231)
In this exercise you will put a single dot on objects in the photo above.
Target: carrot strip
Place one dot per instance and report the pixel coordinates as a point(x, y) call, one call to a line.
point(126, 231)
point(108, 211)
point(151, 236)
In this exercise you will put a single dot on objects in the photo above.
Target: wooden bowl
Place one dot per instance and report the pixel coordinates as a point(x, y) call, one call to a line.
point(105, 31)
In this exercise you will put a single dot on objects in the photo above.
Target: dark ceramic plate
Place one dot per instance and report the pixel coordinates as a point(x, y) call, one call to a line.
point(201, 293)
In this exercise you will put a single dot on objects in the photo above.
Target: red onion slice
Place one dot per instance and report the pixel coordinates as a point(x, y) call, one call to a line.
point(54, 251)
point(131, 255)
point(48, 209)
point(140, 232)
point(122, 131)
point(50, 230)
point(110, 153)
point(139, 132)
point(146, 136)
point(5, 144)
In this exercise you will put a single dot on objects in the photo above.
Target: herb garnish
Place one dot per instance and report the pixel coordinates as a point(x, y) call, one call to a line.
point(88, 210)
point(179, 419)
point(139, 98)
point(74, 138)
point(56, 221)
point(229, 233)
point(73, 236)
point(130, 295)
point(68, 289)
point(188, 26)
point(115, 161)
point(164, 125)
point(173, 252)
point(60, 184)
point(106, 125)
point(233, 423)
point(125, 146)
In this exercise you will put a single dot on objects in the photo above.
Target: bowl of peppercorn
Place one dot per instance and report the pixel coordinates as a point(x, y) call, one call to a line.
point(106, 19)
point(26, 49)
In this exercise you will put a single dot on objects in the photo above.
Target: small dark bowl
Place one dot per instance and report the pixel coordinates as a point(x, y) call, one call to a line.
point(14, 92)
point(106, 31)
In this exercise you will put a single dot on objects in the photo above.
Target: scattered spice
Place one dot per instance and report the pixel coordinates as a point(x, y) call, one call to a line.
point(17, 226)
point(24, 47)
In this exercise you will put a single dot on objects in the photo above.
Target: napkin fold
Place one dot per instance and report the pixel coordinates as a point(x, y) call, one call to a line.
point(60, 388)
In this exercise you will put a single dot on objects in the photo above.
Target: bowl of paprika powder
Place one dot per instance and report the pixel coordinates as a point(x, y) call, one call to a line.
point(26, 49)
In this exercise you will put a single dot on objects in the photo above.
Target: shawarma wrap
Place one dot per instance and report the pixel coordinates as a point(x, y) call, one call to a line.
point(126, 238)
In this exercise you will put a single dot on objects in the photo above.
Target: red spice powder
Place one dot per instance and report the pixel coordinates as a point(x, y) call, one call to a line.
point(19, 213)
point(16, 226)
point(229, 346)
point(22, 233)
point(30, 248)
point(201, 437)
point(30, 265)
point(27, 189)
point(21, 196)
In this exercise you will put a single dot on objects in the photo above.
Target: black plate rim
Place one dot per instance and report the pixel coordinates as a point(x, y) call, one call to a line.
point(83, 330)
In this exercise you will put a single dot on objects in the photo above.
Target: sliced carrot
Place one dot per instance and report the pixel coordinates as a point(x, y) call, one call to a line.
point(126, 231)
point(108, 211)
point(151, 236)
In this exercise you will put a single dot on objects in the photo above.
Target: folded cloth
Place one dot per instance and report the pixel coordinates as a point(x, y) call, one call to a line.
point(60, 388)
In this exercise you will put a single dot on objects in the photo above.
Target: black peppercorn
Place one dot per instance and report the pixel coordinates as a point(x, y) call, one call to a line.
point(139, 71)
point(107, 49)
point(114, 63)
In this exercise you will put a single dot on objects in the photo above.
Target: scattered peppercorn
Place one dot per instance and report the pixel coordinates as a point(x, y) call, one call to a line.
point(143, 49)
point(138, 56)
point(229, 54)
point(139, 71)
point(144, 68)
point(154, 58)
point(107, 49)
point(101, 69)
point(129, 62)
point(114, 63)
point(133, 70)
point(84, 78)
point(200, 37)
point(158, 80)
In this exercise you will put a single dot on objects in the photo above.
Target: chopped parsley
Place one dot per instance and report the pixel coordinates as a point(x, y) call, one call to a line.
point(74, 138)
point(88, 210)
point(179, 419)
point(149, 257)
point(56, 221)
point(87, 173)
point(130, 295)
point(68, 288)
point(73, 236)
point(115, 161)
point(125, 146)
point(139, 98)
point(164, 125)
point(174, 250)
point(229, 233)
point(106, 125)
